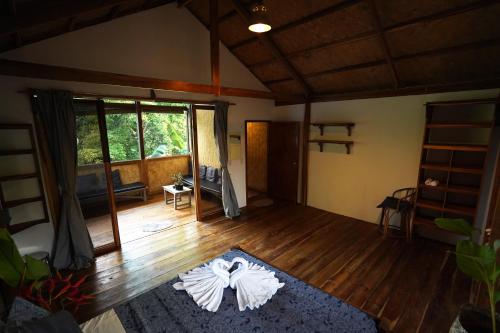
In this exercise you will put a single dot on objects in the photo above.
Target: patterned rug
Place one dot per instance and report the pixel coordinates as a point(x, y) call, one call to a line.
point(297, 307)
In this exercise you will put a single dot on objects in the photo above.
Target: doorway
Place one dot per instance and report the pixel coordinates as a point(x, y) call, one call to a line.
point(271, 155)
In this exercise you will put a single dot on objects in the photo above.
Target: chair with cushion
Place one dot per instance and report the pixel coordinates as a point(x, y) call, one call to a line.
point(401, 202)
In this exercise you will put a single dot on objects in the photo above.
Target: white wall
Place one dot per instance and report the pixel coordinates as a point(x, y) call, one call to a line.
point(385, 156)
point(165, 42)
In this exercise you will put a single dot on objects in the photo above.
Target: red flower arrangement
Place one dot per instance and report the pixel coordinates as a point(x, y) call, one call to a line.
point(57, 293)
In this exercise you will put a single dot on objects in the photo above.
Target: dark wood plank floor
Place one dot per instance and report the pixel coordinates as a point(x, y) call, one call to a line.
point(409, 287)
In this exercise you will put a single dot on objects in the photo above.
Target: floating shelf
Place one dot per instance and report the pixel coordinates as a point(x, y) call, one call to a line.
point(322, 126)
point(456, 147)
point(347, 144)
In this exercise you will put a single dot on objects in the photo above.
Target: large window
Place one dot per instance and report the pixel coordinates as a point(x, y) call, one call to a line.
point(165, 128)
point(165, 134)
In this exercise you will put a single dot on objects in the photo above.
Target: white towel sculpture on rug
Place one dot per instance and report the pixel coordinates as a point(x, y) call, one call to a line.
point(206, 284)
point(254, 284)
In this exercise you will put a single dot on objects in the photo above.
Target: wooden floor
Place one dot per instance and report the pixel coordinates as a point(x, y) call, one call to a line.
point(409, 287)
point(134, 216)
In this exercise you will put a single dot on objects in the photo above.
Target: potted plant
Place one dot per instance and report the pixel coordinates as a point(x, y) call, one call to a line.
point(178, 181)
point(479, 262)
point(30, 279)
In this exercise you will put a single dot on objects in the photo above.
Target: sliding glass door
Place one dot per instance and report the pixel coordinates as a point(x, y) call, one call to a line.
point(94, 183)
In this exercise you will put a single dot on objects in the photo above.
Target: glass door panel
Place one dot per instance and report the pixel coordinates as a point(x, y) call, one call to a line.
point(92, 184)
point(209, 171)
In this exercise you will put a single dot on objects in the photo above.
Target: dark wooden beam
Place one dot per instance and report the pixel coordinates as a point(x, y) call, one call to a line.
point(383, 41)
point(410, 90)
point(269, 43)
point(182, 3)
point(45, 13)
point(49, 72)
point(113, 12)
point(371, 34)
point(306, 126)
point(214, 46)
point(427, 53)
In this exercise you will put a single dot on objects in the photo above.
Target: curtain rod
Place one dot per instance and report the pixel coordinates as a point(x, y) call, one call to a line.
point(140, 98)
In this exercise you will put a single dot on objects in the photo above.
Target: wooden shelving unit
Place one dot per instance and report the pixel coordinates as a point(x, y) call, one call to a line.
point(8, 182)
point(455, 144)
point(322, 126)
point(347, 144)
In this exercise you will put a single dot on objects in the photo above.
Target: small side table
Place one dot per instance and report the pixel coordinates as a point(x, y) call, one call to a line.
point(177, 196)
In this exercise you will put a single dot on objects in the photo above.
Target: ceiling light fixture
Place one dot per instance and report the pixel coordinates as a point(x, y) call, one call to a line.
point(259, 22)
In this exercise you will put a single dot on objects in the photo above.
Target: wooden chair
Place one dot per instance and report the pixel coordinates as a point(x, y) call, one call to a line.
point(401, 202)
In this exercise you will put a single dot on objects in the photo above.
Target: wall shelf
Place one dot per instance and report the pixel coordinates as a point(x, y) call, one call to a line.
point(322, 126)
point(460, 125)
point(347, 144)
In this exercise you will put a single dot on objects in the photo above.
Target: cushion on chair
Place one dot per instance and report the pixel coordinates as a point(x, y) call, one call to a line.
point(391, 202)
point(212, 174)
point(117, 179)
point(203, 171)
point(87, 183)
point(219, 180)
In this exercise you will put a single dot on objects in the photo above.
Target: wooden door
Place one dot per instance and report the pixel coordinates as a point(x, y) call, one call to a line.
point(283, 167)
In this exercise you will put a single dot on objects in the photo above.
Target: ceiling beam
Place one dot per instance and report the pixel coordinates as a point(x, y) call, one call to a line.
point(44, 13)
point(383, 41)
point(394, 27)
point(214, 45)
point(269, 43)
point(410, 90)
point(427, 53)
point(59, 73)
point(182, 3)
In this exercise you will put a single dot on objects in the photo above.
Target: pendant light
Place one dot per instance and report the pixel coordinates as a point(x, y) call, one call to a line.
point(259, 22)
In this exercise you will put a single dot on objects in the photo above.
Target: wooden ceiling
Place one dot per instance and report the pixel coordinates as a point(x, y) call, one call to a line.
point(339, 49)
point(319, 49)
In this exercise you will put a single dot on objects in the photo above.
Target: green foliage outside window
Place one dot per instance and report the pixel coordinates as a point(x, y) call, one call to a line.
point(165, 134)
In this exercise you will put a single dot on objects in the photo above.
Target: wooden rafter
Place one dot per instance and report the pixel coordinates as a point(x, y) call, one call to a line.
point(277, 53)
point(383, 41)
point(214, 46)
point(426, 53)
point(182, 3)
point(371, 34)
point(409, 90)
point(49, 72)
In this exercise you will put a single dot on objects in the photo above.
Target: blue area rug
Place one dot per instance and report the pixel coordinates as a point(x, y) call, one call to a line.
point(297, 307)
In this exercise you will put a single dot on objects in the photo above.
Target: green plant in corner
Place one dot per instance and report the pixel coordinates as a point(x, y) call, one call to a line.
point(16, 270)
point(478, 261)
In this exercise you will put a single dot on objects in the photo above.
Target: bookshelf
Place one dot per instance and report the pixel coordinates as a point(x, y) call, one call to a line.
point(454, 149)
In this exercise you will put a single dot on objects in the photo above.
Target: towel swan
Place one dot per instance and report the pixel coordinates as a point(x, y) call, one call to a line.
point(206, 284)
point(254, 284)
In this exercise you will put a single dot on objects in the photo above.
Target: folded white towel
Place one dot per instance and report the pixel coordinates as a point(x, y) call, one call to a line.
point(254, 284)
point(206, 284)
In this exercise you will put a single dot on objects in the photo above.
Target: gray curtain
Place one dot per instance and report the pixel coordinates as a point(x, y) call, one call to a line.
point(229, 201)
point(54, 111)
